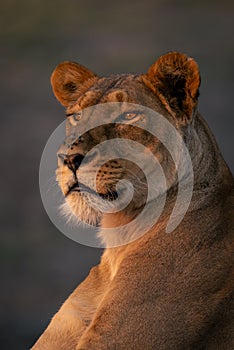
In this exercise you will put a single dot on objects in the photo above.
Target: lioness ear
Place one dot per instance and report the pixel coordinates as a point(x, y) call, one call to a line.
point(175, 78)
point(69, 80)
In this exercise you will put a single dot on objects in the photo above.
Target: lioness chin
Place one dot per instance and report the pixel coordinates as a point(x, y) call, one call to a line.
point(162, 291)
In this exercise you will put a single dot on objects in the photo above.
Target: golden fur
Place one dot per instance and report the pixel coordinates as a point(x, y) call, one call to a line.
point(163, 291)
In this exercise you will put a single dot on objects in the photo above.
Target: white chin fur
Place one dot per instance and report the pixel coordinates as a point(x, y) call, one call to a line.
point(78, 213)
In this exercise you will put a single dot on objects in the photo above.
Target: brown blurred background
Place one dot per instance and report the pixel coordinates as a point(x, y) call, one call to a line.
point(40, 266)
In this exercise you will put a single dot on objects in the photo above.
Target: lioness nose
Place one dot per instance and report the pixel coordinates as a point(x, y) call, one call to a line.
point(73, 161)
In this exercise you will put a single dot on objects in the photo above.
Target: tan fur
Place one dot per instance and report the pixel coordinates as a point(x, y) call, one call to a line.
point(63, 82)
point(163, 291)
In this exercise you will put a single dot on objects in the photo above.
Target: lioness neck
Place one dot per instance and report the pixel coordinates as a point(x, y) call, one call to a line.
point(210, 173)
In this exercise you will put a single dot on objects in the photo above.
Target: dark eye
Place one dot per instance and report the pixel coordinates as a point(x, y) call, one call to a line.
point(130, 115)
point(77, 116)
point(73, 118)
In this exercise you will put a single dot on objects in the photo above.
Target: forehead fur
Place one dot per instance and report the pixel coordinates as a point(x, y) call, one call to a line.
point(116, 88)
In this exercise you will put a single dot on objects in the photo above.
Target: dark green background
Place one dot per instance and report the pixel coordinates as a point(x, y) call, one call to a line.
point(40, 266)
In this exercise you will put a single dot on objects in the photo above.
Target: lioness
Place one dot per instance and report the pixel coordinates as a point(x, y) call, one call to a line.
point(163, 291)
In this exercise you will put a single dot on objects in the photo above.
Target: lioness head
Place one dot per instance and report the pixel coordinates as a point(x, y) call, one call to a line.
point(87, 179)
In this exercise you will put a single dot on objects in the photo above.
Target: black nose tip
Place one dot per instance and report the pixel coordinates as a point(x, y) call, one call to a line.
point(73, 161)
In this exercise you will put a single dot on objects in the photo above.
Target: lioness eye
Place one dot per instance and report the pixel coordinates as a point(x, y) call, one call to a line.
point(74, 118)
point(77, 117)
point(130, 115)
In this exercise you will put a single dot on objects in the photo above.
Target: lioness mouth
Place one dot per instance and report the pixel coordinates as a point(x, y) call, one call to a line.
point(80, 187)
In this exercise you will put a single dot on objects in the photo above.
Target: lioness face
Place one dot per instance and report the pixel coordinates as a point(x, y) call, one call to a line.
point(91, 182)
point(88, 181)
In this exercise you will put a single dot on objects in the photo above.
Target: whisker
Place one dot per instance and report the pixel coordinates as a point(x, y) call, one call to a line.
point(52, 184)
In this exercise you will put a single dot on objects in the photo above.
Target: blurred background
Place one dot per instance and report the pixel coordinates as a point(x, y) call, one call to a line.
point(40, 266)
